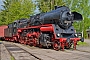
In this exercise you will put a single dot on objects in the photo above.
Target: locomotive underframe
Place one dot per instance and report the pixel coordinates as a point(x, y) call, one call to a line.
point(48, 35)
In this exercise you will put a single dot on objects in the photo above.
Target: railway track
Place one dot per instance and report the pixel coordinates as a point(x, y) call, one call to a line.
point(84, 53)
point(44, 54)
point(4, 54)
point(39, 52)
point(81, 53)
point(25, 52)
point(76, 53)
point(18, 53)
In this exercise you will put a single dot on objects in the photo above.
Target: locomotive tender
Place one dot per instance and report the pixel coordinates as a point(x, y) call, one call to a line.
point(51, 29)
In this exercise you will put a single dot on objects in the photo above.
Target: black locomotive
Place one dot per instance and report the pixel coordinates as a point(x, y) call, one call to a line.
point(51, 29)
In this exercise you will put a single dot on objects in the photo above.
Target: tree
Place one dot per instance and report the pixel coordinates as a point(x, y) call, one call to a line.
point(16, 9)
point(47, 5)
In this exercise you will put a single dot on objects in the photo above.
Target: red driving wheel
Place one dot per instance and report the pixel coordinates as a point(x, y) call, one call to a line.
point(56, 45)
point(34, 43)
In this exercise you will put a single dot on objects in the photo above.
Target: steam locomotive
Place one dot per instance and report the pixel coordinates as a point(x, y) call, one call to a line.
point(50, 29)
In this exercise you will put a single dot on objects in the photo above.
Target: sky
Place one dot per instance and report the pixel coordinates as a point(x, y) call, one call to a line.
point(1, 3)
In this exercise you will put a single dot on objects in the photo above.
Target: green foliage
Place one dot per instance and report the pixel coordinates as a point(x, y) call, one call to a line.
point(12, 58)
point(82, 43)
point(16, 9)
point(47, 5)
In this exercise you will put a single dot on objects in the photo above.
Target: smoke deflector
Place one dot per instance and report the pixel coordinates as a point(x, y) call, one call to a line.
point(77, 16)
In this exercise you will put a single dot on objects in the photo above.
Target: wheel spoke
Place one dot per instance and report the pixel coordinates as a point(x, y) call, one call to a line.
point(56, 45)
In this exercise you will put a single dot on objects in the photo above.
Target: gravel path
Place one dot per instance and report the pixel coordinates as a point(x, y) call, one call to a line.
point(17, 52)
point(86, 47)
point(49, 54)
point(4, 54)
point(82, 52)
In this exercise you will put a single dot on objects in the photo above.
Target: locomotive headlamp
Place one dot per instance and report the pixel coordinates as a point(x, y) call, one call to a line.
point(76, 35)
point(70, 12)
point(58, 35)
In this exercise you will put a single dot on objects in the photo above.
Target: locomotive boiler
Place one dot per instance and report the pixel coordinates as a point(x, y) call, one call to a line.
point(50, 29)
point(61, 16)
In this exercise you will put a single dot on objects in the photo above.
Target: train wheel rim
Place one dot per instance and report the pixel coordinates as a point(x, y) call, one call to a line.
point(56, 45)
point(25, 42)
point(35, 43)
point(68, 46)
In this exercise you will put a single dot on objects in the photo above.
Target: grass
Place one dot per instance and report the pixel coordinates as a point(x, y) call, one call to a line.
point(0, 41)
point(12, 58)
point(82, 43)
